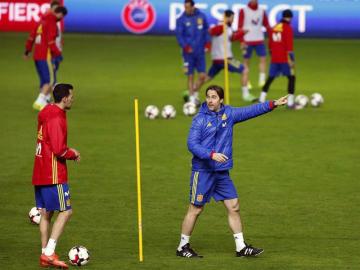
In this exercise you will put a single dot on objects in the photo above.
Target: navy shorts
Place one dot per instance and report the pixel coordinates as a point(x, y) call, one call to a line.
point(194, 61)
point(233, 66)
point(204, 185)
point(45, 72)
point(260, 50)
point(53, 197)
point(277, 69)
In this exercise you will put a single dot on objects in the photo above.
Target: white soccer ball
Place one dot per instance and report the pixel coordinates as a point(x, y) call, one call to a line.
point(79, 255)
point(168, 112)
point(34, 215)
point(301, 101)
point(316, 100)
point(189, 109)
point(151, 112)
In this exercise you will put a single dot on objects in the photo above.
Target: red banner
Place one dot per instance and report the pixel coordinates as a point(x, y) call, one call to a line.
point(21, 15)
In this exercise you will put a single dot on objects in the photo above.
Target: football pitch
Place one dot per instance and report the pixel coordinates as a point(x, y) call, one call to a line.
point(296, 172)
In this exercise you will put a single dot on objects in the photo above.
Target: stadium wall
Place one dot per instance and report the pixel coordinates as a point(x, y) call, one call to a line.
point(313, 18)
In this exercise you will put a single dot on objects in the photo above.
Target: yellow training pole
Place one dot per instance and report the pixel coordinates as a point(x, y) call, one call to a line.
point(226, 68)
point(137, 140)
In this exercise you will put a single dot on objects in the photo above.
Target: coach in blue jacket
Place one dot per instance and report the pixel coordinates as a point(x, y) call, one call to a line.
point(194, 39)
point(210, 142)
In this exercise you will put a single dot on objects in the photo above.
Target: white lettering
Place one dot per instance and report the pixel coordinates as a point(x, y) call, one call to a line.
point(11, 12)
point(44, 8)
point(302, 16)
point(217, 11)
point(20, 10)
point(176, 9)
point(32, 12)
point(3, 9)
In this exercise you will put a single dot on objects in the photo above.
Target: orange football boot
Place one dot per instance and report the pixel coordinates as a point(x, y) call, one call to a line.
point(46, 264)
point(52, 261)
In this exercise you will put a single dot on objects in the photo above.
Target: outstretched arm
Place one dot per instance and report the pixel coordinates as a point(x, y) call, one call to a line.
point(252, 111)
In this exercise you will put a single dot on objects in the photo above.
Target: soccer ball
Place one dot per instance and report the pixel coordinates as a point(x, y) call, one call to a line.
point(151, 112)
point(301, 101)
point(316, 100)
point(168, 112)
point(79, 255)
point(189, 109)
point(35, 216)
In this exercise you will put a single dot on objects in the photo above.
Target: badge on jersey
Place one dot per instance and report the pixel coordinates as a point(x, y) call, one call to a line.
point(200, 23)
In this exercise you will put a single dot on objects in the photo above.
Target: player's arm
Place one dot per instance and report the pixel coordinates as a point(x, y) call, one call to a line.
point(207, 35)
point(194, 141)
point(266, 22)
point(252, 111)
point(216, 30)
point(30, 42)
point(56, 131)
point(241, 27)
point(52, 34)
point(180, 36)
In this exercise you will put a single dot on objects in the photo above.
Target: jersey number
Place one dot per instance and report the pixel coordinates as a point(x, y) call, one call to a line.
point(38, 149)
point(276, 37)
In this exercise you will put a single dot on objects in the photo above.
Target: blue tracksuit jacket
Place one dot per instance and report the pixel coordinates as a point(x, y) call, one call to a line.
point(193, 30)
point(213, 132)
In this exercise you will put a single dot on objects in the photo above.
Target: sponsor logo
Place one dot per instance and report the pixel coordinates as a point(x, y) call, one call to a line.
point(224, 124)
point(67, 193)
point(255, 22)
point(138, 16)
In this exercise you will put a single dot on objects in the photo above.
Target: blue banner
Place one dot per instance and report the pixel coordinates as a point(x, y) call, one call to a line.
point(312, 18)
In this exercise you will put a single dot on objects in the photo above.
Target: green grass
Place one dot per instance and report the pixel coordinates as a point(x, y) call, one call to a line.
point(297, 172)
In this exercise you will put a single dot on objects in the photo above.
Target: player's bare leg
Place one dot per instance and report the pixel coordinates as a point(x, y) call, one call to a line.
point(49, 257)
point(190, 83)
point(244, 86)
point(233, 209)
point(247, 66)
point(242, 249)
point(262, 71)
point(59, 224)
point(190, 219)
point(187, 228)
point(45, 225)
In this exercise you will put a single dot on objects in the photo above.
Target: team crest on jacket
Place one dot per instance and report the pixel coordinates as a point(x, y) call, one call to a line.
point(138, 16)
point(224, 117)
point(200, 197)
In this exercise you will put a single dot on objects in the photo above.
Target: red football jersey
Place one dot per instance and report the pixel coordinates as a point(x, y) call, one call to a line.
point(281, 42)
point(44, 37)
point(51, 147)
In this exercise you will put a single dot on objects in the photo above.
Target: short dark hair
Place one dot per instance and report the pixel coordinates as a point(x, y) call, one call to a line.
point(190, 1)
point(61, 90)
point(218, 89)
point(287, 13)
point(61, 9)
point(54, 3)
point(229, 13)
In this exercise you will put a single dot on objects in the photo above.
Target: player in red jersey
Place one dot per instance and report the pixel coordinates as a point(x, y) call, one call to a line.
point(43, 39)
point(282, 56)
point(50, 173)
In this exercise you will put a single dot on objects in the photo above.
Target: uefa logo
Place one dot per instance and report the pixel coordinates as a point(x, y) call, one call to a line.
point(138, 16)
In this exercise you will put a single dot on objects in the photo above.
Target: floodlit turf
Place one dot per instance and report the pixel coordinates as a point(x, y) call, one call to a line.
point(297, 172)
